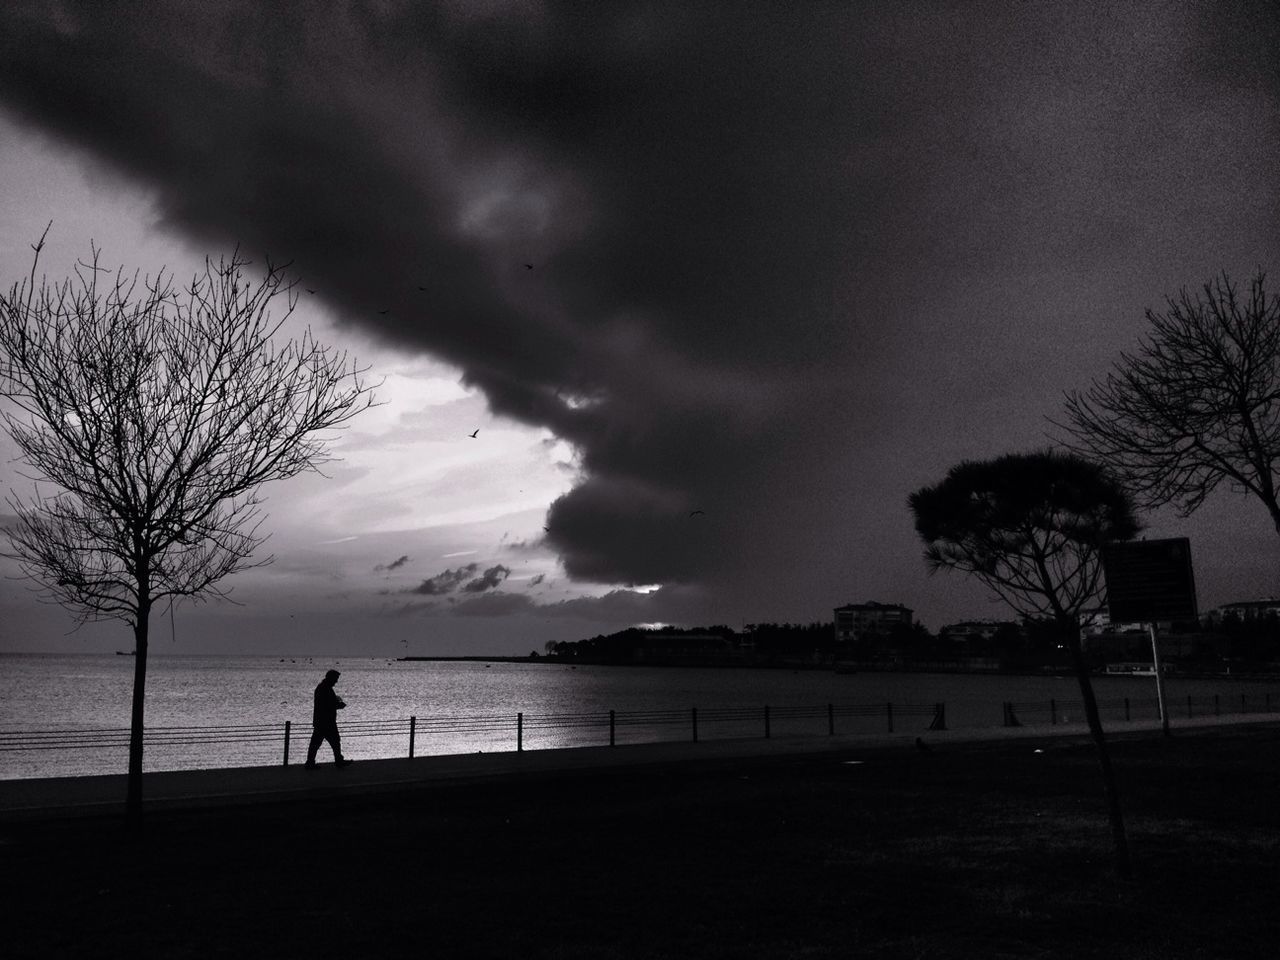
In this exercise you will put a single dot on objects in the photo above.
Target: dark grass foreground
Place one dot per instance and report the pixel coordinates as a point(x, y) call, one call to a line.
point(967, 851)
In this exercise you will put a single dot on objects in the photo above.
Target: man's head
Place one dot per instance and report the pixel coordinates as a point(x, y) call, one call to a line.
point(331, 677)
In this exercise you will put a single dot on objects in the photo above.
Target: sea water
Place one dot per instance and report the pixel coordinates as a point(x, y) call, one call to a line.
point(464, 706)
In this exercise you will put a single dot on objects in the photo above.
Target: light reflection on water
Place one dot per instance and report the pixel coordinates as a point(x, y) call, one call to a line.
point(51, 692)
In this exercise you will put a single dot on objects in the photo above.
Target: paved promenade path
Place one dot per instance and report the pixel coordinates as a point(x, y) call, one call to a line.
point(58, 797)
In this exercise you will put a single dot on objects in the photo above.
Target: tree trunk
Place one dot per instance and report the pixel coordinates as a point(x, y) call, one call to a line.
point(1124, 866)
point(133, 797)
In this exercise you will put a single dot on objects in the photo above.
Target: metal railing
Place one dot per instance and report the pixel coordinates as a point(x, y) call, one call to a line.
point(609, 727)
point(119, 736)
point(519, 731)
point(1139, 708)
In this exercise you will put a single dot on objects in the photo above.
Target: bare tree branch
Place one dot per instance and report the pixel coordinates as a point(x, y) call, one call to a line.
point(155, 413)
point(1197, 404)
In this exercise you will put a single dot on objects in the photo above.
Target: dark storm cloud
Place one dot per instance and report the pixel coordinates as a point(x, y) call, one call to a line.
point(630, 606)
point(489, 580)
point(445, 582)
point(616, 606)
point(394, 564)
point(784, 266)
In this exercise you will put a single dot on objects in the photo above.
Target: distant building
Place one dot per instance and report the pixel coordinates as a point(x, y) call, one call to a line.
point(1245, 610)
point(1096, 621)
point(854, 621)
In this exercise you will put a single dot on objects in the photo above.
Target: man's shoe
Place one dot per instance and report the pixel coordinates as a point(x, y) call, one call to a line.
point(308, 766)
point(344, 763)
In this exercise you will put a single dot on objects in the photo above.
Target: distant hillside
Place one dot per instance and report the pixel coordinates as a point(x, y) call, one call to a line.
point(714, 645)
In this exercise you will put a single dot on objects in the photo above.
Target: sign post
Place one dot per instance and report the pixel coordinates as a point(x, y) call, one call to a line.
point(1149, 581)
point(1155, 662)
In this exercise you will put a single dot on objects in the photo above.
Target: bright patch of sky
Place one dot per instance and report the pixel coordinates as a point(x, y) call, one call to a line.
point(408, 478)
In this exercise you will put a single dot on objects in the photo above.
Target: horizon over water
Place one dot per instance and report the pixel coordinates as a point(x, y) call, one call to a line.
point(63, 692)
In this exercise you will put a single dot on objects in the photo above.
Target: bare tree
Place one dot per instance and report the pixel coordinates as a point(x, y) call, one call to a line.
point(156, 413)
point(1031, 527)
point(1198, 403)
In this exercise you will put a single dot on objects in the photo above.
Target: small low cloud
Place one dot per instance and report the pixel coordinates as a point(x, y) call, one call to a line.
point(537, 580)
point(489, 580)
point(445, 582)
point(394, 564)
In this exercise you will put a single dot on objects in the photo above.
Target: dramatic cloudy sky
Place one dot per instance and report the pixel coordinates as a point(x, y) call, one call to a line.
point(778, 263)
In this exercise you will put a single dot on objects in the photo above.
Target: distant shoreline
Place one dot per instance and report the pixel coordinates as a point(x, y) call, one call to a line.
point(930, 667)
point(935, 667)
point(506, 659)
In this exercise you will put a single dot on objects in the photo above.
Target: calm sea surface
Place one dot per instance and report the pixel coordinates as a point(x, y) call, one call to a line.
point(65, 693)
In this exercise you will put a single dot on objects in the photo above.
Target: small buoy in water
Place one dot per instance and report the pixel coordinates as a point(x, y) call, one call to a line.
point(1037, 750)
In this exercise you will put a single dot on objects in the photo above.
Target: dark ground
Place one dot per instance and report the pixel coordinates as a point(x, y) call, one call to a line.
point(987, 850)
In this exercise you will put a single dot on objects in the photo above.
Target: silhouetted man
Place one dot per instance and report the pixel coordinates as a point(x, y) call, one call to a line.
point(324, 721)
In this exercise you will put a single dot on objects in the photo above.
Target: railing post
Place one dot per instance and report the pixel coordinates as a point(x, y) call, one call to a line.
point(1053, 712)
point(1243, 707)
point(1126, 708)
point(695, 724)
point(287, 727)
point(613, 726)
point(413, 730)
point(831, 720)
point(767, 733)
point(1217, 707)
point(1188, 706)
point(888, 709)
point(519, 733)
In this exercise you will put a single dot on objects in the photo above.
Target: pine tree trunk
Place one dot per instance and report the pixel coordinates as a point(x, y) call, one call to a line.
point(1124, 866)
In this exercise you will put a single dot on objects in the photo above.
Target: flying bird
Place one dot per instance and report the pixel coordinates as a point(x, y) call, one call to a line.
point(384, 312)
point(528, 266)
point(309, 290)
point(473, 433)
point(694, 513)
